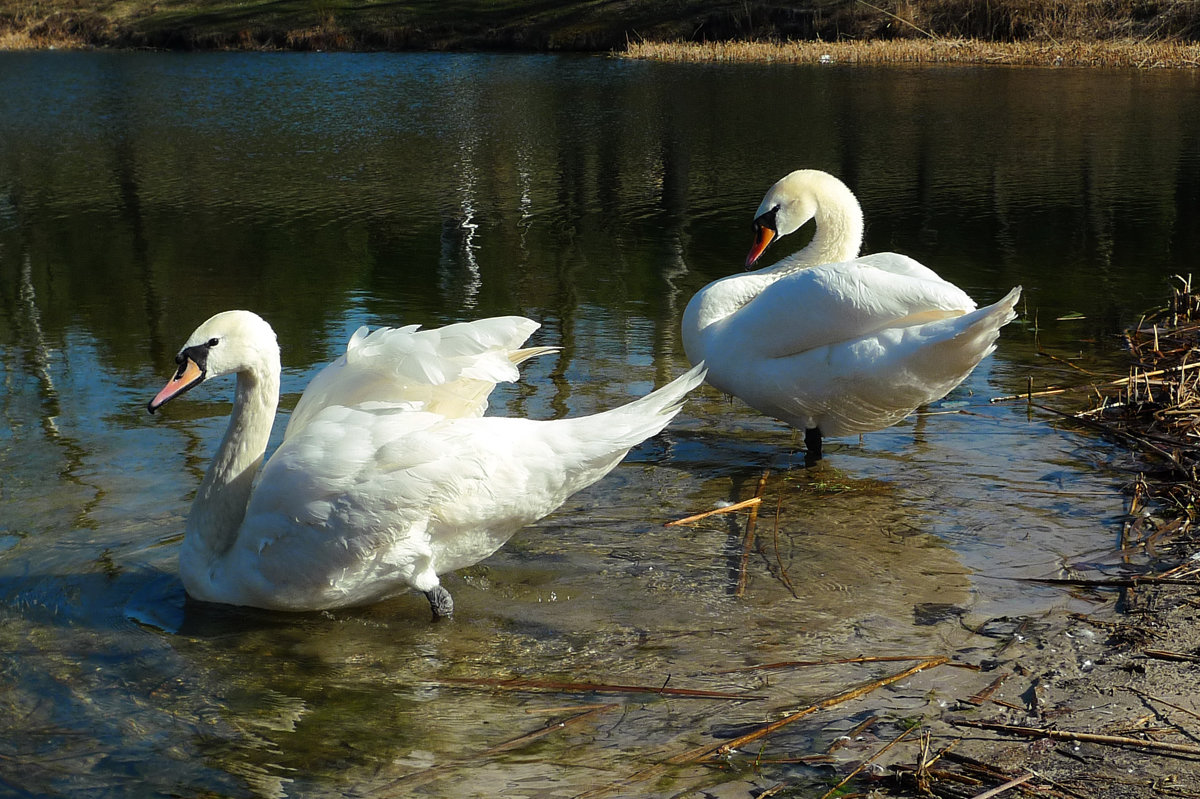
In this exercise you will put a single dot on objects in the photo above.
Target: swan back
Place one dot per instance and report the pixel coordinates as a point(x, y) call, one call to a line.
point(869, 381)
point(828, 304)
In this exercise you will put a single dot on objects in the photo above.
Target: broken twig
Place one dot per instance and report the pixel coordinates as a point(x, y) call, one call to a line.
point(1083, 737)
point(836, 699)
point(746, 503)
point(517, 684)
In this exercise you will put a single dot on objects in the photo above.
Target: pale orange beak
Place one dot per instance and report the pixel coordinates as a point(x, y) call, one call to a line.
point(763, 236)
point(188, 376)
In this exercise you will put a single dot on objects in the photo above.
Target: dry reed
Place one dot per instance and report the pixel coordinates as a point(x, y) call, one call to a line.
point(1139, 54)
point(1157, 411)
point(1084, 737)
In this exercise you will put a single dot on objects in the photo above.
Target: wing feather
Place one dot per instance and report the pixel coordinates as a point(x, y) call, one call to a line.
point(834, 303)
point(449, 371)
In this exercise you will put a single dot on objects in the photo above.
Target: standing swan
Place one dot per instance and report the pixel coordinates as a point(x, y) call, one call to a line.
point(830, 342)
point(388, 474)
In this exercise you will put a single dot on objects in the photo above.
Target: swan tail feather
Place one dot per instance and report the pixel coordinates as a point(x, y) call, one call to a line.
point(986, 322)
point(946, 358)
point(520, 356)
point(634, 422)
point(589, 447)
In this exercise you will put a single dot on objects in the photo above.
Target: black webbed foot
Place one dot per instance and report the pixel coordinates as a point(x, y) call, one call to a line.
point(440, 602)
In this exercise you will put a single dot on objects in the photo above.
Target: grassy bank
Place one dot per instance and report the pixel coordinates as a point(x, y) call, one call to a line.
point(942, 29)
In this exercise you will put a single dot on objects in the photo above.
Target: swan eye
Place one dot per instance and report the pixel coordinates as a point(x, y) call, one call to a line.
point(767, 219)
point(212, 342)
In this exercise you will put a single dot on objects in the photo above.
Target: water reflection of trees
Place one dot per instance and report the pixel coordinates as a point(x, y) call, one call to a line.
point(479, 185)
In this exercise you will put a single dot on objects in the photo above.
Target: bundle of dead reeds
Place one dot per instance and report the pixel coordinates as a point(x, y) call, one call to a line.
point(1131, 53)
point(1159, 405)
point(1156, 410)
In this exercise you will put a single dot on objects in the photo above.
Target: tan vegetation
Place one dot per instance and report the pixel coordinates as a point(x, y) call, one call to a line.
point(28, 29)
point(931, 51)
point(1157, 411)
point(1013, 20)
point(1111, 33)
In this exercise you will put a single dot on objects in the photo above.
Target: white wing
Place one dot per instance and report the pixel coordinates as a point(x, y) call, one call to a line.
point(449, 371)
point(365, 502)
point(833, 303)
point(868, 383)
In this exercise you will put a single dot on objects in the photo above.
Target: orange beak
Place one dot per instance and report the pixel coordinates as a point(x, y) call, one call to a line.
point(188, 376)
point(763, 236)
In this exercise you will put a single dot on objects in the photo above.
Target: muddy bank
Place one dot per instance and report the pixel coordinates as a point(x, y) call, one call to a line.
point(1094, 705)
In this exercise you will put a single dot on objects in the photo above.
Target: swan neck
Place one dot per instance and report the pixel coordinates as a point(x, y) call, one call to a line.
point(838, 237)
point(220, 504)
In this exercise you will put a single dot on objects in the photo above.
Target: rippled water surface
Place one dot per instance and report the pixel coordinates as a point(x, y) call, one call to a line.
point(140, 193)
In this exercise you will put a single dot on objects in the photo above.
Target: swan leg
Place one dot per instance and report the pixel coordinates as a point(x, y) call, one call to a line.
point(812, 445)
point(440, 602)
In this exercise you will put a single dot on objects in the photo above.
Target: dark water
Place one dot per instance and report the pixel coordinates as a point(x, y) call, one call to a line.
point(140, 193)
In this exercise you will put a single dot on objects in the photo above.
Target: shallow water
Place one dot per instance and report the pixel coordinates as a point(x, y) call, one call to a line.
point(139, 193)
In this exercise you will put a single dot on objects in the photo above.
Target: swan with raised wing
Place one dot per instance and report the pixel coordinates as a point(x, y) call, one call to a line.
point(831, 342)
point(388, 473)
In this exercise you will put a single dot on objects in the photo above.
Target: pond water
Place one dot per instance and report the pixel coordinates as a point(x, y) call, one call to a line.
point(140, 193)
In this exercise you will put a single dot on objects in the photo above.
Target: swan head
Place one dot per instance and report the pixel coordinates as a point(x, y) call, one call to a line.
point(799, 197)
point(230, 342)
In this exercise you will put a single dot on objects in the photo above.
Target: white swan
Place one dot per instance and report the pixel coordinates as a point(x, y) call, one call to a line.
point(830, 342)
point(388, 474)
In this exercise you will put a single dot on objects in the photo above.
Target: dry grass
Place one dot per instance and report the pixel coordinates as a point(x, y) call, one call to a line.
point(25, 31)
point(1139, 54)
point(1157, 412)
point(1159, 404)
